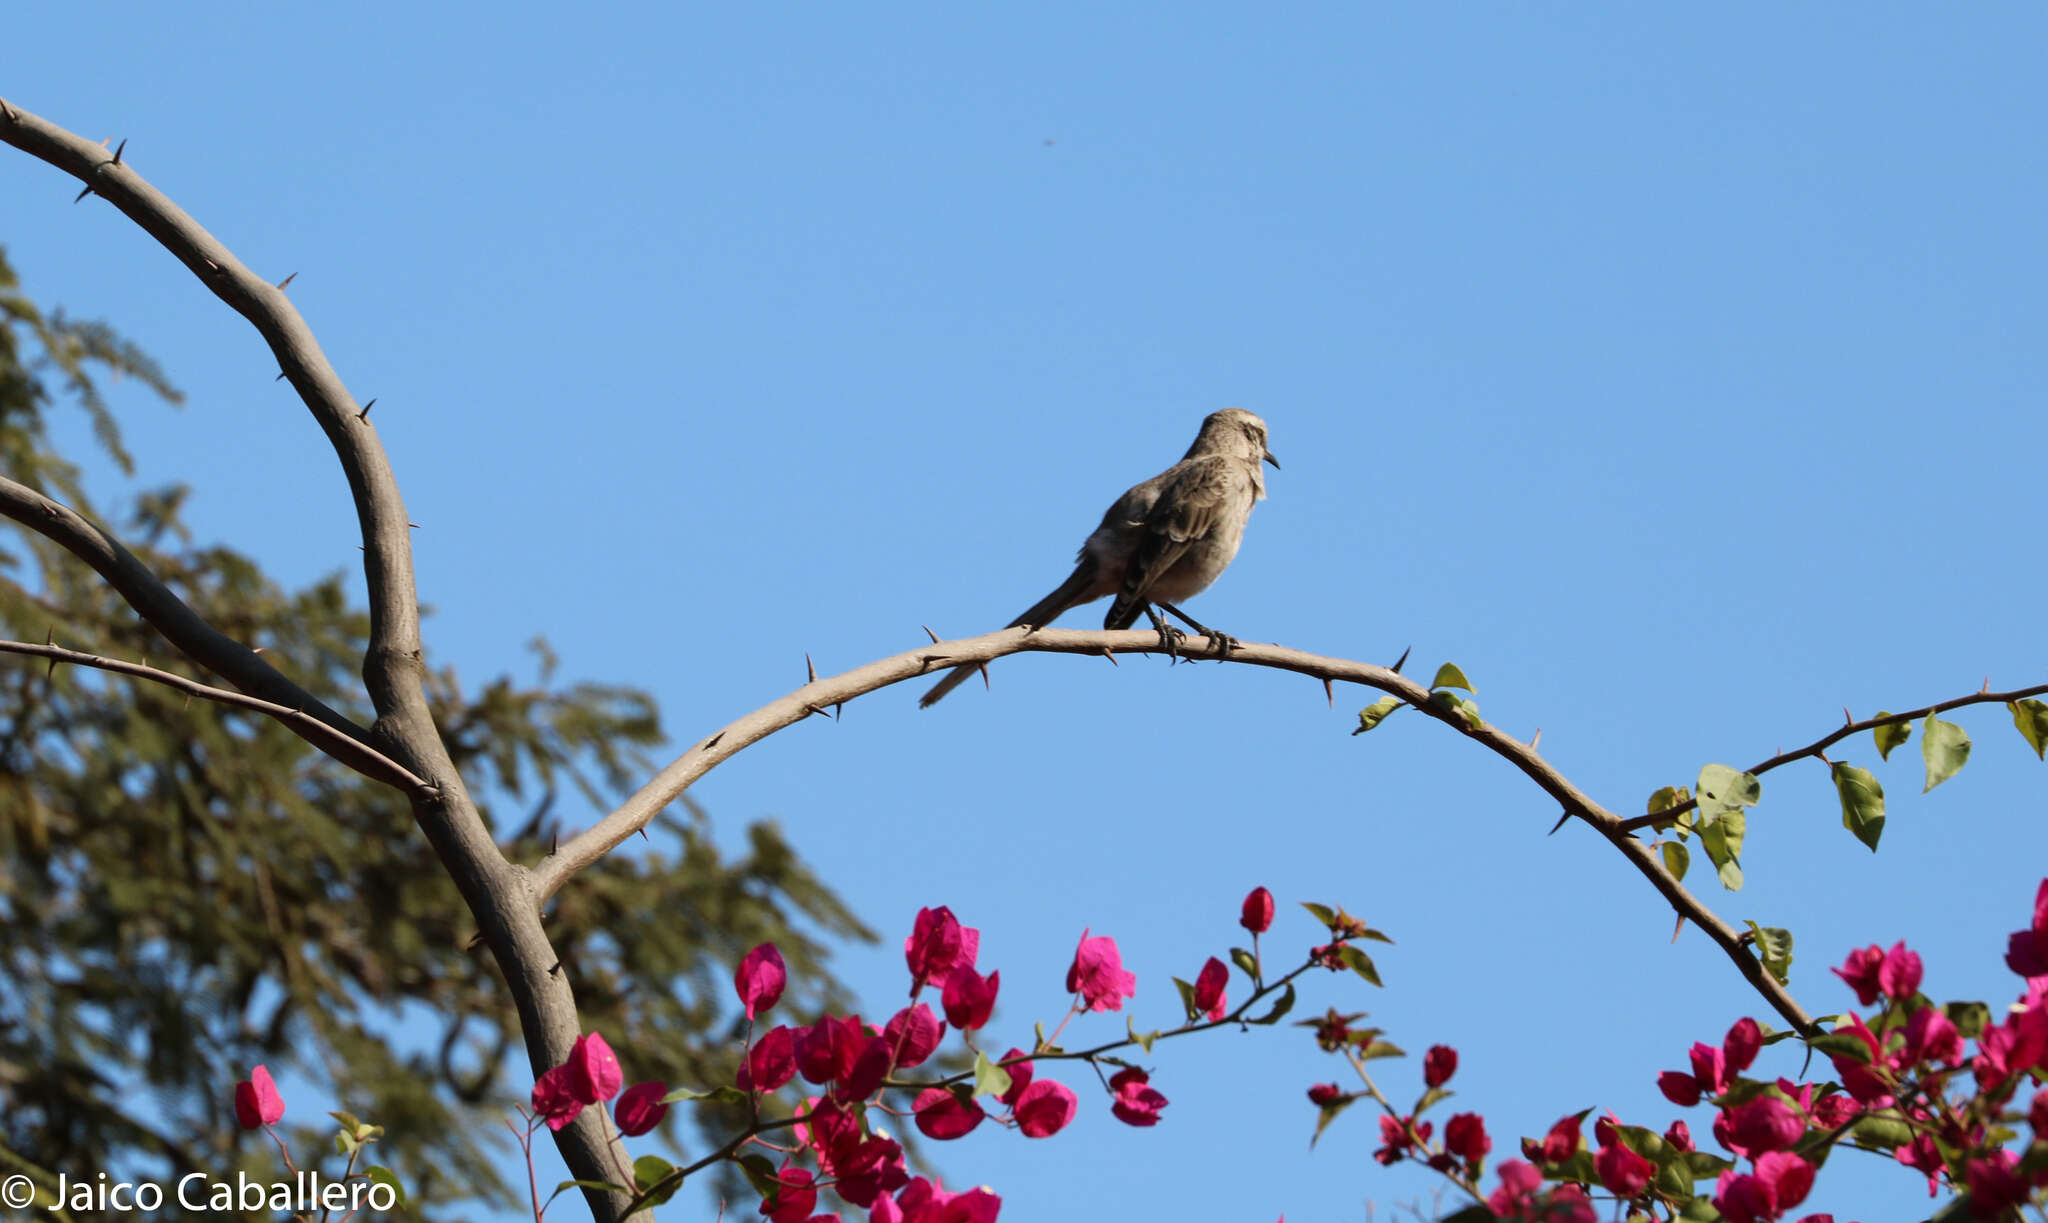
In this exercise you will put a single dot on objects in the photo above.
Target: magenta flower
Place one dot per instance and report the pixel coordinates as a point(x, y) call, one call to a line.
point(1098, 975)
point(1209, 989)
point(1739, 1047)
point(554, 1100)
point(1624, 1173)
point(1560, 1144)
point(938, 944)
point(826, 1049)
point(1258, 911)
point(257, 1103)
point(870, 1067)
point(1044, 1108)
point(1438, 1065)
point(943, 1115)
point(1898, 974)
point(1860, 971)
point(760, 978)
point(969, 997)
point(1465, 1137)
point(2026, 952)
point(1931, 1036)
point(640, 1108)
point(1679, 1136)
point(914, 1032)
point(1020, 1069)
point(793, 1200)
point(1137, 1103)
point(1764, 1124)
point(771, 1062)
point(1518, 1183)
point(594, 1075)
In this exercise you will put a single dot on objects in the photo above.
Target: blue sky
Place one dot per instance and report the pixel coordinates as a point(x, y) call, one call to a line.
point(1676, 371)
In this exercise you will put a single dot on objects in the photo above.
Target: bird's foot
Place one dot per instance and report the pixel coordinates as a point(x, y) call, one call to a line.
point(1220, 644)
point(1171, 639)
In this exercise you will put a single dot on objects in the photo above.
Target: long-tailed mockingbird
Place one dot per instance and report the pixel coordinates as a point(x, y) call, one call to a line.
point(1166, 539)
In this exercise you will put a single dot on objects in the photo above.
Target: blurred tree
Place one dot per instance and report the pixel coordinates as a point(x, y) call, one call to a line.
point(187, 890)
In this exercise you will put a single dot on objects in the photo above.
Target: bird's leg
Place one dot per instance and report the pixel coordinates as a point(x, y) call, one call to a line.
point(1170, 637)
point(1223, 642)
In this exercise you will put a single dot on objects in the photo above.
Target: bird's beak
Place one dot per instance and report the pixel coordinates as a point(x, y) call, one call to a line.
point(1270, 459)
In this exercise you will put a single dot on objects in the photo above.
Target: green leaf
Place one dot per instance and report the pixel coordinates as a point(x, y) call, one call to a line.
point(1890, 735)
point(1970, 1018)
point(1381, 1048)
point(1862, 802)
point(1142, 1039)
point(1245, 962)
point(1722, 790)
point(1842, 1044)
point(1430, 1099)
point(1187, 998)
point(991, 1079)
point(1374, 714)
point(2031, 717)
point(1360, 963)
point(1464, 710)
point(727, 1094)
point(1884, 1129)
point(648, 1170)
point(760, 1174)
point(1280, 1008)
point(1448, 676)
point(1945, 747)
point(1328, 1113)
point(1322, 913)
point(1722, 840)
point(381, 1175)
point(1676, 858)
point(1773, 947)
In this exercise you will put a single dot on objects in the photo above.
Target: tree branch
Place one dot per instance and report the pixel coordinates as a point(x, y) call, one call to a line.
point(1983, 696)
point(820, 694)
point(495, 890)
point(350, 751)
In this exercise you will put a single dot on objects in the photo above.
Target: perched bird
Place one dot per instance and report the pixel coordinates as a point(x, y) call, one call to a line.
point(1164, 540)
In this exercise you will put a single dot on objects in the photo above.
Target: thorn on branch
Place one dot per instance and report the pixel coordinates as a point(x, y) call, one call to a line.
point(118, 149)
point(1560, 823)
point(814, 709)
point(836, 707)
point(1535, 738)
point(1329, 692)
point(810, 671)
point(1398, 662)
point(928, 632)
point(287, 280)
point(983, 668)
point(1986, 687)
point(414, 525)
point(8, 111)
point(1111, 656)
point(1848, 719)
point(214, 269)
point(642, 830)
point(280, 376)
point(555, 843)
point(555, 969)
point(82, 193)
point(364, 415)
point(1679, 928)
point(711, 742)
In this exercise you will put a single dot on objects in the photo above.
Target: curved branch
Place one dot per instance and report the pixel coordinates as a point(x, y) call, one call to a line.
point(184, 628)
point(345, 748)
point(817, 696)
point(393, 667)
point(1983, 696)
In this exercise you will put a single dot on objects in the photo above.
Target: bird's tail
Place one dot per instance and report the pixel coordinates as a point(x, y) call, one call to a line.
point(1074, 590)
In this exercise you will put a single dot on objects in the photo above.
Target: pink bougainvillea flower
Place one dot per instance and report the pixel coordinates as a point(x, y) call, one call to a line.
point(1624, 1173)
point(1860, 971)
point(1209, 987)
point(1865, 1082)
point(1020, 1071)
point(594, 1074)
point(257, 1103)
point(1044, 1108)
point(1098, 975)
point(793, 1199)
point(1834, 1110)
point(1560, 1144)
point(922, 1201)
point(554, 1099)
point(938, 944)
point(640, 1108)
point(771, 1062)
point(1679, 1087)
point(1931, 1036)
point(2026, 952)
point(1465, 1137)
point(870, 1067)
point(760, 979)
point(969, 997)
point(1739, 1047)
point(826, 1049)
point(1781, 1181)
point(914, 1032)
point(1763, 1124)
point(1323, 1094)
point(1258, 911)
point(1438, 1065)
point(1898, 974)
point(1137, 1102)
point(1397, 1135)
point(1518, 1182)
point(1922, 1154)
point(1789, 1176)
point(943, 1115)
point(1996, 1185)
point(1679, 1136)
point(865, 1168)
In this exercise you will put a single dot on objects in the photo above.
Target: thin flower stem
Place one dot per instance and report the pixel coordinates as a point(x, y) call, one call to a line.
point(1462, 1181)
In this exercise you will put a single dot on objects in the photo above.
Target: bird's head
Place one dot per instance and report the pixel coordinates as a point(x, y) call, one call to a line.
point(1236, 431)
